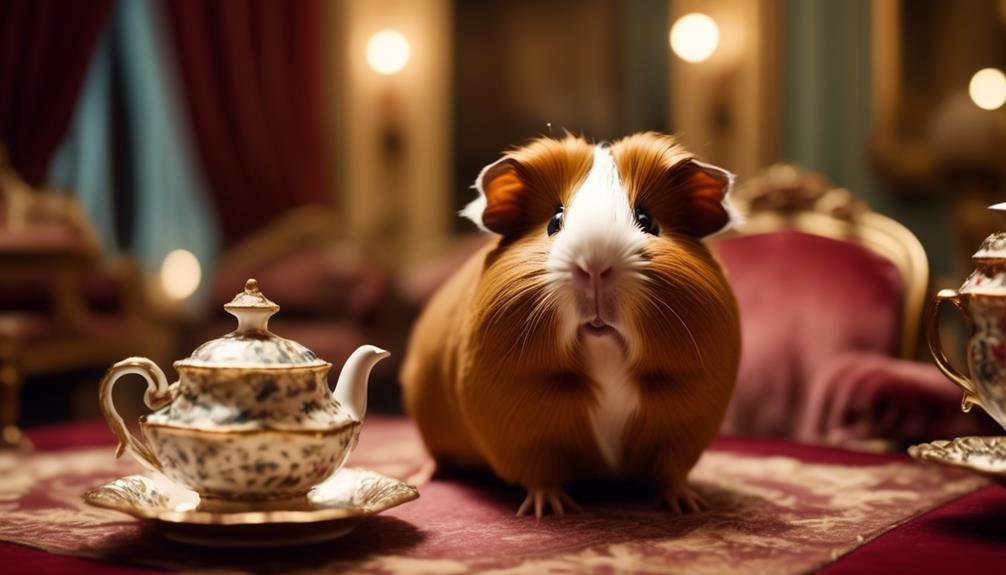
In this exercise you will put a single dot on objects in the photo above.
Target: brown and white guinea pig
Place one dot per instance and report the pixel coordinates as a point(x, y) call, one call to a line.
point(597, 337)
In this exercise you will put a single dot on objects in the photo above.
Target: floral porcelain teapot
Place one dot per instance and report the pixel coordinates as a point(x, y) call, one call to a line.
point(251, 415)
point(982, 301)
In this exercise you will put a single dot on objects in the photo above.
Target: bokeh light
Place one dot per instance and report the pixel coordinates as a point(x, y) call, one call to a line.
point(694, 37)
point(180, 274)
point(988, 88)
point(388, 52)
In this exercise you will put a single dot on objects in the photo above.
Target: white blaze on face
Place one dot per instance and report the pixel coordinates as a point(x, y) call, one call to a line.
point(599, 226)
point(599, 232)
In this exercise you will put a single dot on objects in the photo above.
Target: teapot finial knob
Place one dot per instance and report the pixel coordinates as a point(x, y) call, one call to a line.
point(252, 308)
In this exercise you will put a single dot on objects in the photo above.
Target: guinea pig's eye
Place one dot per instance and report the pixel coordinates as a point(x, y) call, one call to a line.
point(646, 222)
point(555, 224)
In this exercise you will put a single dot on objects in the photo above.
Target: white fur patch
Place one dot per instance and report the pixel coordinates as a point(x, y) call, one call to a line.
point(475, 208)
point(617, 397)
point(473, 211)
point(599, 223)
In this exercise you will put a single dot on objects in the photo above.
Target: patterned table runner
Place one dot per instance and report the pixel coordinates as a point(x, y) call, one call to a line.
point(770, 514)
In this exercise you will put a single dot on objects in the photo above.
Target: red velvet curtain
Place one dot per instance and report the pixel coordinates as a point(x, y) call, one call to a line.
point(45, 48)
point(253, 79)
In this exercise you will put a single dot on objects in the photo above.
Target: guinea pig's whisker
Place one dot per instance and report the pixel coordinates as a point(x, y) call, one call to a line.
point(654, 299)
point(537, 315)
point(511, 299)
point(533, 298)
point(558, 275)
point(528, 329)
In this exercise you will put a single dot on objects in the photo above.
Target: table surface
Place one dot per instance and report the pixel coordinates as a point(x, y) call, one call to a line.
point(964, 535)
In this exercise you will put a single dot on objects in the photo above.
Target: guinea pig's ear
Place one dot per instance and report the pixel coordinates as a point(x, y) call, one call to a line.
point(498, 207)
point(702, 192)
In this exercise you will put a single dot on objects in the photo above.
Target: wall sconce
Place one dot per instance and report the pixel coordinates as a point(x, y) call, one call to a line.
point(180, 274)
point(694, 37)
point(388, 52)
point(988, 88)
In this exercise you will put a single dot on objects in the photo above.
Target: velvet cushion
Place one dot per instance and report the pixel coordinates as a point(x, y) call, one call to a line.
point(861, 395)
point(804, 300)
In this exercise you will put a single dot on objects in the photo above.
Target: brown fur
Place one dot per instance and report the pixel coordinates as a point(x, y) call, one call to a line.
point(487, 377)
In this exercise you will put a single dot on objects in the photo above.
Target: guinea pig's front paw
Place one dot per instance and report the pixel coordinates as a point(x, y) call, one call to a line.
point(539, 497)
point(683, 500)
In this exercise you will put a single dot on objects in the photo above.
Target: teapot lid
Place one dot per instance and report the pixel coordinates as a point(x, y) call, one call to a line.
point(994, 247)
point(989, 276)
point(252, 344)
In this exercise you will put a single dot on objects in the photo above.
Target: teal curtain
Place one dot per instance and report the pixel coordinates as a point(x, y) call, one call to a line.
point(826, 89)
point(171, 206)
point(827, 116)
point(83, 162)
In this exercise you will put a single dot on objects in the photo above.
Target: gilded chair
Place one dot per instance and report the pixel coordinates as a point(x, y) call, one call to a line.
point(831, 296)
point(63, 307)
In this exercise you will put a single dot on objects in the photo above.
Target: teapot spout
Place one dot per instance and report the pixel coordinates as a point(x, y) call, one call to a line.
point(351, 389)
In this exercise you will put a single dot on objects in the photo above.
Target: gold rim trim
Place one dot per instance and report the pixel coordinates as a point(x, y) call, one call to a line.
point(144, 423)
point(983, 294)
point(192, 365)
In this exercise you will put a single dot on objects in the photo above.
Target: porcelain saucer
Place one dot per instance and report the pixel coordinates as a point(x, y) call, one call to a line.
point(982, 455)
point(328, 511)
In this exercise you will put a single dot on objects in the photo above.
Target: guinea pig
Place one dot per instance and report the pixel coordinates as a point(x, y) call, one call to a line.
point(597, 337)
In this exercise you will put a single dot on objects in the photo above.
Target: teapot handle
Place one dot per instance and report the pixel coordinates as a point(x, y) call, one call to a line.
point(940, 356)
point(158, 394)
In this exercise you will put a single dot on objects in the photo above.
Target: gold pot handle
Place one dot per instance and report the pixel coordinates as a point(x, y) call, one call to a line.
point(939, 355)
point(158, 395)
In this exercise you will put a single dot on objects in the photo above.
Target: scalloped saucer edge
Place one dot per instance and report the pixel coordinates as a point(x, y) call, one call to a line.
point(329, 511)
point(983, 455)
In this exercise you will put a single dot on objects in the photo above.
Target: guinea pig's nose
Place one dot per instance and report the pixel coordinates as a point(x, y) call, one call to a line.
point(592, 271)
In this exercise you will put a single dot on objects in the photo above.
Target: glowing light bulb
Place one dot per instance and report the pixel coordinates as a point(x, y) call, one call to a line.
point(694, 37)
point(988, 88)
point(180, 274)
point(388, 52)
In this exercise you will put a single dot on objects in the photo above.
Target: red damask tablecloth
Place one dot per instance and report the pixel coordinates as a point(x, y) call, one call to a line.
point(777, 507)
